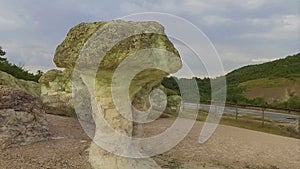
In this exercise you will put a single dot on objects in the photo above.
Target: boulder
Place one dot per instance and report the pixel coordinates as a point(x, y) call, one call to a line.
point(174, 105)
point(124, 46)
point(56, 92)
point(170, 103)
point(28, 86)
point(22, 118)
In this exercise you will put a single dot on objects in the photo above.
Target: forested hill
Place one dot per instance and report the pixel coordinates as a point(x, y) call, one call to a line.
point(288, 67)
point(276, 83)
point(17, 71)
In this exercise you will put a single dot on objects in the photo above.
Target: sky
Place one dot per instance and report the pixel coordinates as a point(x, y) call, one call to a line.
point(242, 32)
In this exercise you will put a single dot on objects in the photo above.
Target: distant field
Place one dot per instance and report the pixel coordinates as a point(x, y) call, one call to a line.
point(273, 90)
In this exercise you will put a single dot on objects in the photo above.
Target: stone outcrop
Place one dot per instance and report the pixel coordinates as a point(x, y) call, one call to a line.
point(28, 86)
point(170, 104)
point(22, 118)
point(56, 92)
point(118, 41)
point(174, 105)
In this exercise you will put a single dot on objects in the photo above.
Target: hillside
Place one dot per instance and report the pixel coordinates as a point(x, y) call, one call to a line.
point(275, 83)
point(288, 67)
point(280, 92)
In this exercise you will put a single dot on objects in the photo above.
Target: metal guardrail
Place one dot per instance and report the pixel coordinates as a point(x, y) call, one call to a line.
point(253, 106)
point(259, 108)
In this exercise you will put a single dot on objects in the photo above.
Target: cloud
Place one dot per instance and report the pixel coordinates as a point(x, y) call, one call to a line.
point(213, 20)
point(276, 28)
point(12, 20)
point(261, 60)
point(242, 31)
point(9, 23)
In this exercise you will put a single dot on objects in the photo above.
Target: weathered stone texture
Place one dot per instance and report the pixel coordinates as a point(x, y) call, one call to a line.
point(22, 118)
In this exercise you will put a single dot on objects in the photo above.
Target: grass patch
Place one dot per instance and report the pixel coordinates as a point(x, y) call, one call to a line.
point(269, 82)
point(269, 127)
point(251, 123)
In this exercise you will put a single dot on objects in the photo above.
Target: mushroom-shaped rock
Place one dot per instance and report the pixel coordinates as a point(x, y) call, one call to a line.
point(116, 65)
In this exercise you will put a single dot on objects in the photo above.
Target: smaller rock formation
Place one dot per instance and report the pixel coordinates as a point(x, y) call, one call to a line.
point(174, 105)
point(22, 118)
point(29, 86)
point(56, 92)
point(171, 105)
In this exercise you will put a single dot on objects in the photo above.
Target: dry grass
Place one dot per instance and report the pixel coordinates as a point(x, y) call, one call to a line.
point(253, 123)
point(273, 90)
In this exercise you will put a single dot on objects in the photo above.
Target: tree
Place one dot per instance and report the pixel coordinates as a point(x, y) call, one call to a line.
point(18, 71)
point(2, 52)
point(38, 74)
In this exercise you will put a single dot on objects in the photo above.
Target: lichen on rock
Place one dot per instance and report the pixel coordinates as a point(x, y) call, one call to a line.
point(67, 52)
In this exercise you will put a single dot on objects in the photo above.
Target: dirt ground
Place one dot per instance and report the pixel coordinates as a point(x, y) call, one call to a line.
point(229, 147)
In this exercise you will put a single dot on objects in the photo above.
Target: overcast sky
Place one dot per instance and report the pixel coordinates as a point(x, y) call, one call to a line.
point(243, 32)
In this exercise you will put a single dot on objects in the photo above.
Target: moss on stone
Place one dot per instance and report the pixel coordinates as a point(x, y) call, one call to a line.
point(67, 52)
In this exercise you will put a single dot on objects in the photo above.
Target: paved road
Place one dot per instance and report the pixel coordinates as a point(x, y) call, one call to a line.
point(275, 116)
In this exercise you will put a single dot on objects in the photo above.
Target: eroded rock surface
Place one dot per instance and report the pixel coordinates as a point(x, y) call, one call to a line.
point(22, 118)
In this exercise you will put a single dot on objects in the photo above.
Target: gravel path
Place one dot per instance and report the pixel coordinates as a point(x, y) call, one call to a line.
point(234, 147)
point(230, 147)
